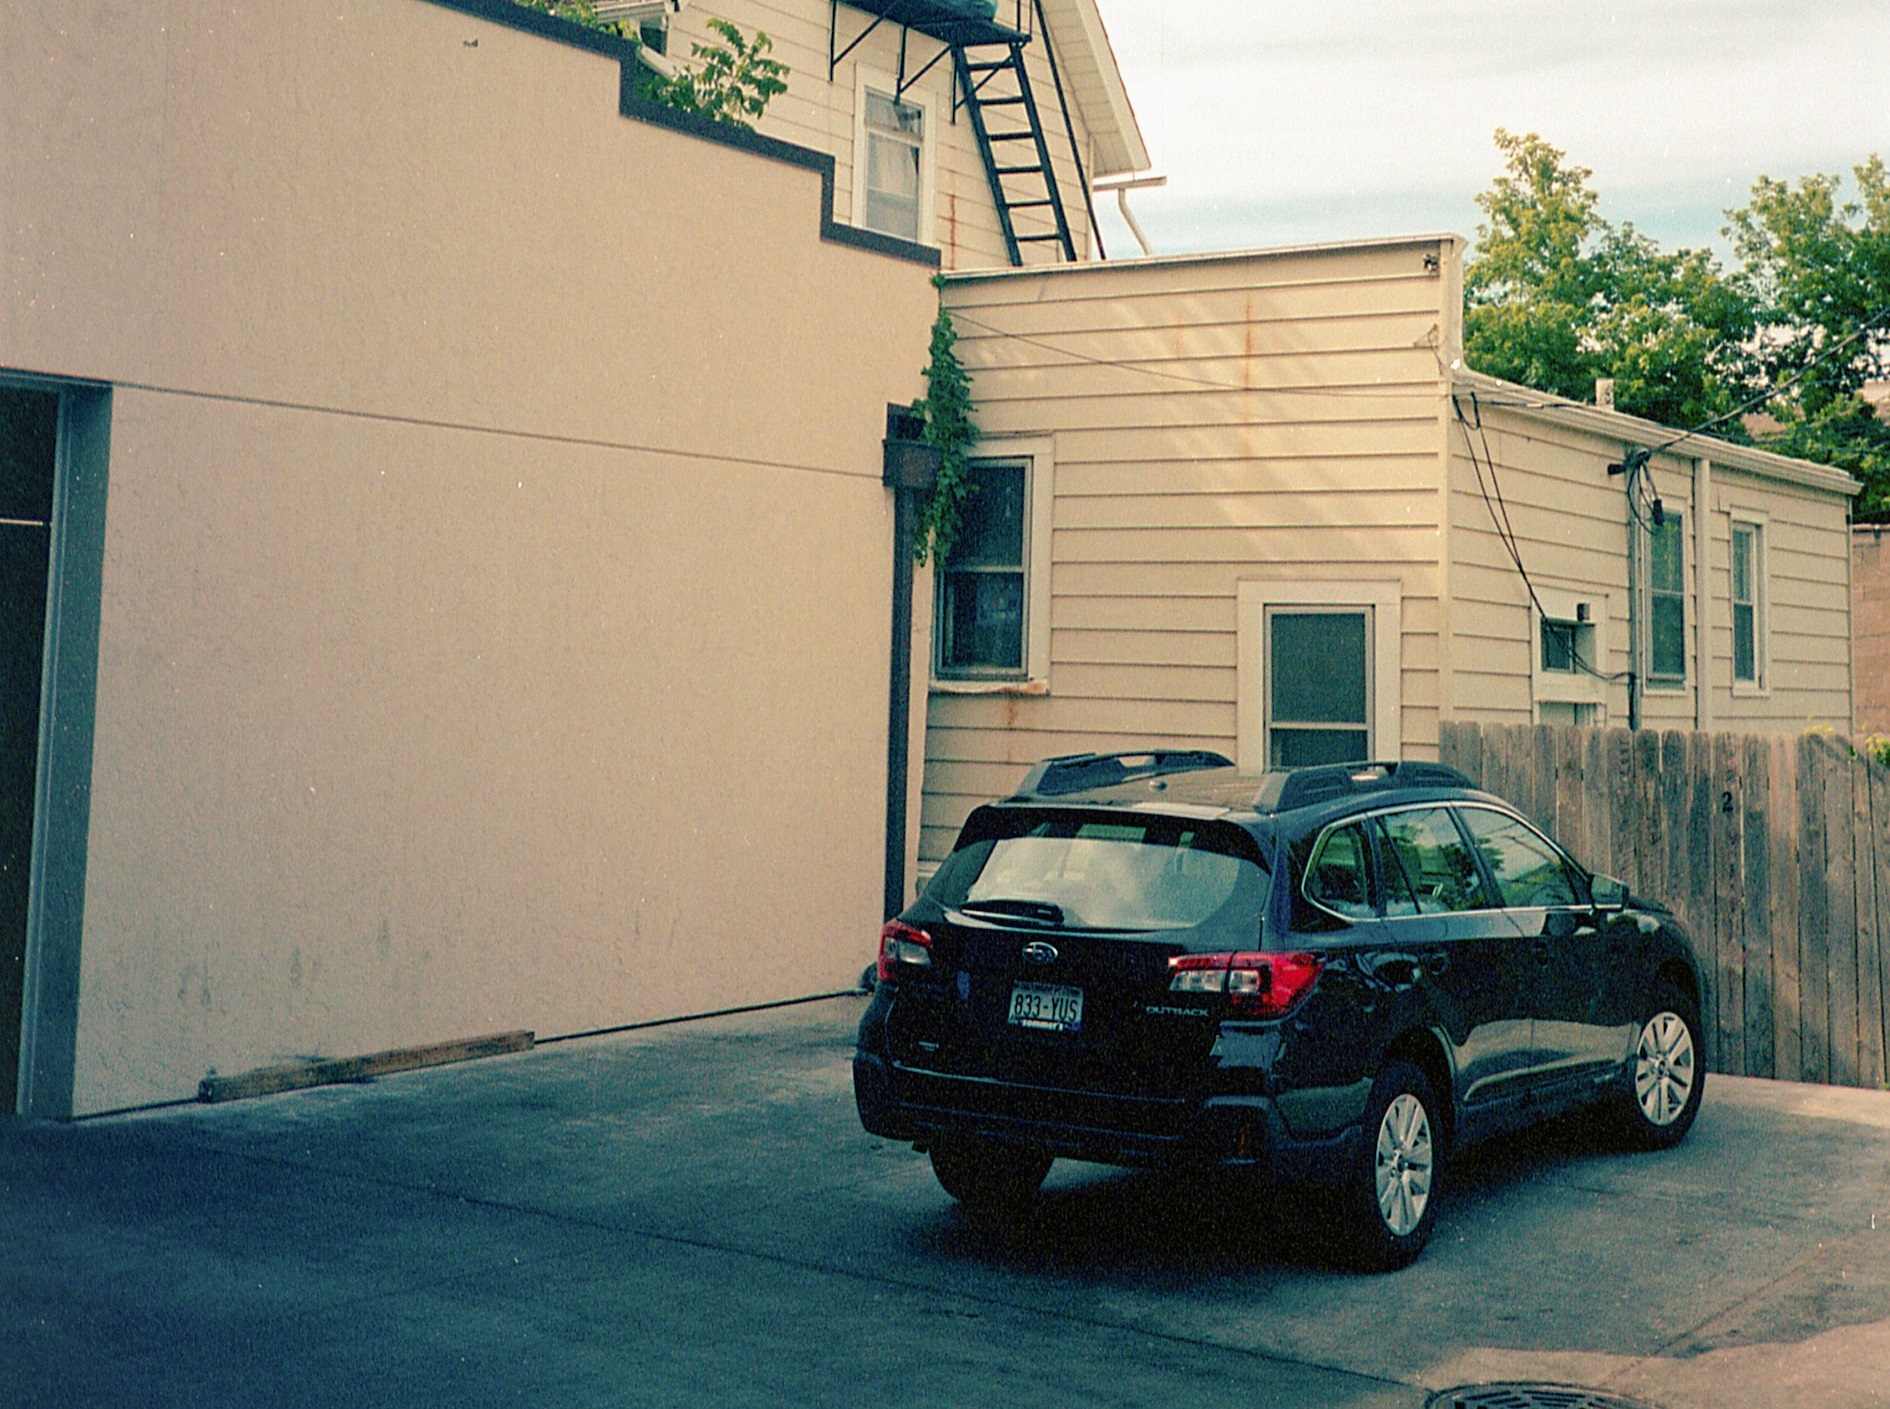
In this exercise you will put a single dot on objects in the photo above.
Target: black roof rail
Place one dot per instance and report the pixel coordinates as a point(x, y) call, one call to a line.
point(1079, 772)
point(1302, 787)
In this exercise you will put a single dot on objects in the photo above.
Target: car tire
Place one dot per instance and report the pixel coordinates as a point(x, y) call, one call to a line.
point(988, 1175)
point(1665, 1076)
point(1391, 1195)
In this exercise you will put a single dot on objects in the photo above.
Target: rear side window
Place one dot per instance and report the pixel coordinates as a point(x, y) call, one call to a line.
point(1337, 876)
point(1529, 871)
point(1132, 874)
point(1429, 868)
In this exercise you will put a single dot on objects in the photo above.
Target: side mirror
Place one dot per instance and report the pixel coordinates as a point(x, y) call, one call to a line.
point(1609, 894)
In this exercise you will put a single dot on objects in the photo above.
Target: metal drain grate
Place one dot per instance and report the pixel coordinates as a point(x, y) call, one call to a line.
point(1523, 1395)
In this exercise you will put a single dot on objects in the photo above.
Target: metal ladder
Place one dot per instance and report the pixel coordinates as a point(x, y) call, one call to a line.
point(1016, 157)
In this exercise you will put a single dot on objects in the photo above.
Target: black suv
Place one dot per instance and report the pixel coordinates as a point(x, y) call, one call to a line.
point(1330, 976)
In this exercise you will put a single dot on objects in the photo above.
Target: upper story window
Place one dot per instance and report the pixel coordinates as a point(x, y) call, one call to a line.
point(1667, 601)
point(1748, 603)
point(892, 165)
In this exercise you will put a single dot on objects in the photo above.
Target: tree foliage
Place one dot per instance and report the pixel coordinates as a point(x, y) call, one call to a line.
point(1819, 271)
point(1556, 297)
point(734, 80)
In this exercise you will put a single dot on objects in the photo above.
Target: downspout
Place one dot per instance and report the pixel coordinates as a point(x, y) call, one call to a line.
point(1636, 614)
point(1703, 593)
point(1122, 185)
point(909, 468)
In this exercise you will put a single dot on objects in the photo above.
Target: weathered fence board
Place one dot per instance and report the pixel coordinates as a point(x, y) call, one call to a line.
point(1814, 977)
point(1787, 1051)
point(1775, 851)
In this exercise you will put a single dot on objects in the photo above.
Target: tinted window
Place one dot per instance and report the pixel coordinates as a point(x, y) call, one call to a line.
point(1436, 864)
point(1336, 877)
point(1528, 870)
point(1108, 875)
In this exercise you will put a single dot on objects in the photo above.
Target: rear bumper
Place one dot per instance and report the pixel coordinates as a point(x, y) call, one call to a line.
point(1242, 1132)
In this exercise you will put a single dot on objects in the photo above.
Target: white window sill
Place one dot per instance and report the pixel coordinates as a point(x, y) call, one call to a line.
point(1745, 690)
point(990, 687)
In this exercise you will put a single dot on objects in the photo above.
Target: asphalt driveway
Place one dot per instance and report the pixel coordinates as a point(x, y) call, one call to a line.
point(692, 1215)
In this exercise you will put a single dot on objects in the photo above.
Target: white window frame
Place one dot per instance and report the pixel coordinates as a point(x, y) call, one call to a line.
point(1384, 714)
point(1576, 687)
point(1760, 523)
point(1039, 456)
point(886, 85)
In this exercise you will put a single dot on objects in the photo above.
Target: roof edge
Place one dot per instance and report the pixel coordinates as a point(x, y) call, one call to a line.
point(1636, 430)
point(1160, 261)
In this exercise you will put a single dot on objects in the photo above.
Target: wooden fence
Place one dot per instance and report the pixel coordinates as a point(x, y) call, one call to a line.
point(1775, 851)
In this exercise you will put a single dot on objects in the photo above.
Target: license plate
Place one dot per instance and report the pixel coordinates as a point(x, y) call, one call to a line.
point(1047, 1007)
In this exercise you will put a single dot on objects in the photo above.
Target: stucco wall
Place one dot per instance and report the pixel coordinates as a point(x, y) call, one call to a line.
point(496, 585)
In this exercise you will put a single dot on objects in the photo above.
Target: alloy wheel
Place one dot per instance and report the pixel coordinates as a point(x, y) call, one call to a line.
point(1663, 1068)
point(1405, 1158)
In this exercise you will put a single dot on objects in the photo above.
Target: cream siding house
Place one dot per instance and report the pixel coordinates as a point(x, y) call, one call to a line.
point(1256, 498)
point(846, 63)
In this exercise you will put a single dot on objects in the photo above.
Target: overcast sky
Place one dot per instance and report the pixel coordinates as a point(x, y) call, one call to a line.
point(1285, 123)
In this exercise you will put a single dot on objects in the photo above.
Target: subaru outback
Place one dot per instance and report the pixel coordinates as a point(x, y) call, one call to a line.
point(1331, 976)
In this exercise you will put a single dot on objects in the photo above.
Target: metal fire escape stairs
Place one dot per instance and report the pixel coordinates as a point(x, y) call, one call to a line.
point(994, 91)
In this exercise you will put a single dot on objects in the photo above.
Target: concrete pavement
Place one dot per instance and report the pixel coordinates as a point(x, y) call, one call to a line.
point(691, 1215)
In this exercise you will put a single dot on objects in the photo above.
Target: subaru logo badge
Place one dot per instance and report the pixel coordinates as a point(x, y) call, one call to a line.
point(1037, 952)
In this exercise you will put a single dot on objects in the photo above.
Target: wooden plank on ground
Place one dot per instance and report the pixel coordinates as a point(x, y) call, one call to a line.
point(267, 1081)
point(1814, 918)
point(1870, 1056)
point(1728, 825)
point(1755, 907)
point(1788, 1056)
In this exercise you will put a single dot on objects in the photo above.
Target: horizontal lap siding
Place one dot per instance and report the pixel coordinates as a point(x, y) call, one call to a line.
point(1568, 515)
point(1265, 417)
point(1807, 593)
point(1570, 520)
point(820, 114)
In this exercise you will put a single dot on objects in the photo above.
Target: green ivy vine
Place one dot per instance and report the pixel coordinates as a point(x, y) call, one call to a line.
point(946, 407)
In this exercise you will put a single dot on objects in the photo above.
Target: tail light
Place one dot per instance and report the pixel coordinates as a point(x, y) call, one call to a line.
point(900, 943)
point(1256, 985)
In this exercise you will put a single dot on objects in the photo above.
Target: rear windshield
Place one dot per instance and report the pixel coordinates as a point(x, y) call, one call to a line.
point(1127, 874)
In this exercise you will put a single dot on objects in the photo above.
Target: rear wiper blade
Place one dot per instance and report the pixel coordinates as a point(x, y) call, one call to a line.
point(1042, 911)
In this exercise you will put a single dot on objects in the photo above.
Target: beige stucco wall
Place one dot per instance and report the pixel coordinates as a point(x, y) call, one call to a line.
point(1571, 524)
point(1272, 418)
point(496, 593)
point(822, 113)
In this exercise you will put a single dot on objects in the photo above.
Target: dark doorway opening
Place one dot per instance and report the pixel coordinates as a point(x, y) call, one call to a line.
point(29, 438)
